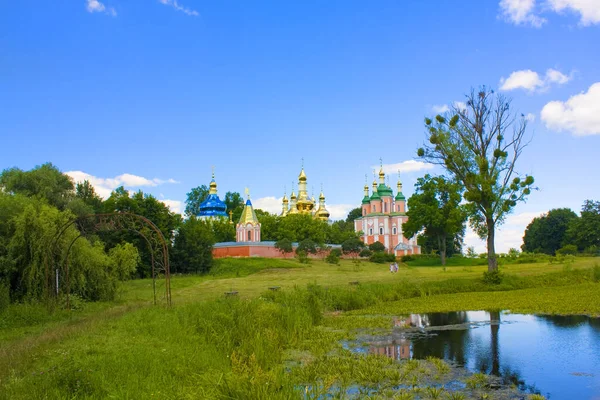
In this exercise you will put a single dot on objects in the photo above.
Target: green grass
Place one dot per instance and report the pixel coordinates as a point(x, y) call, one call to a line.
point(265, 344)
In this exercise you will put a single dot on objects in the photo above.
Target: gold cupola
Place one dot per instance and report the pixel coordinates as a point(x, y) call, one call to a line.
point(285, 206)
point(322, 212)
point(213, 185)
point(304, 204)
point(293, 203)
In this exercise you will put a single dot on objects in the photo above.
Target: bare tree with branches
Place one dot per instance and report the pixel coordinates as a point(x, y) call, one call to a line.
point(480, 145)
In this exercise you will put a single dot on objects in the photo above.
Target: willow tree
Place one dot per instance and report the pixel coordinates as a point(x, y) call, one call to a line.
point(479, 145)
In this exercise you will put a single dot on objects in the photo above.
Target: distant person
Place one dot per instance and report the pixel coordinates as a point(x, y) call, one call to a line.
point(391, 267)
point(395, 267)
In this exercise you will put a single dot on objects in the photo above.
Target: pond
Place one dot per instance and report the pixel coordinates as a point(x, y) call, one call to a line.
point(556, 356)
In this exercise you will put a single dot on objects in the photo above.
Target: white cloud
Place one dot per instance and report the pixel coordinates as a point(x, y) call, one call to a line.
point(555, 76)
point(95, 6)
point(175, 206)
point(579, 115)
point(339, 211)
point(589, 10)
point(521, 12)
point(178, 7)
point(459, 105)
point(270, 204)
point(508, 235)
point(524, 12)
point(532, 81)
point(404, 166)
point(104, 186)
point(530, 117)
point(526, 79)
point(438, 109)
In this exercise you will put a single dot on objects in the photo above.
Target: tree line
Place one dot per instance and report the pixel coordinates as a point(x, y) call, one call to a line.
point(562, 231)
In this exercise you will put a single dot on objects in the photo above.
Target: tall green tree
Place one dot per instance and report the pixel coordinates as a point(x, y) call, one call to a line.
point(435, 209)
point(86, 192)
point(223, 231)
point(584, 232)
point(194, 198)
point(454, 244)
point(147, 206)
point(547, 233)
point(192, 251)
point(297, 227)
point(44, 182)
point(235, 204)
point(353, 214)
point(479, 145)
point(268, 225)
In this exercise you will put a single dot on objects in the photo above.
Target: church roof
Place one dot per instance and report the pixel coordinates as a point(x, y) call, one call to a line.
point(384, 190)
point(248, 215)
point(213, 207)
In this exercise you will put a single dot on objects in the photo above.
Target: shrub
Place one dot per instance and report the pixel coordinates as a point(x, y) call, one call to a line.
point(380, 257)
point(307, 246)
point(493, 277)
point(567, 249)
point(365, 253)
point(376, 247)
point(284, 246)
point(302, 256)
point(333, 257)
point(336, 251)
point(407, 258)
point(592, 251)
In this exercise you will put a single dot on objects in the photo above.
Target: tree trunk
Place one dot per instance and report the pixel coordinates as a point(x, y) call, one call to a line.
point(491, 249)
point(442, 246)
point(495, 327)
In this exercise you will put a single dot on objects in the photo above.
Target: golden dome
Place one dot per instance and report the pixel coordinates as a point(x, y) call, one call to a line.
point(213, 187)
point(302, 176)
point(381, 176)
point(322, 212)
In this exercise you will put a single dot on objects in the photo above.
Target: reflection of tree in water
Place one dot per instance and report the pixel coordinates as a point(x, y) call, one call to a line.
point(489, 363)
point(448, 344)
point(570, 321)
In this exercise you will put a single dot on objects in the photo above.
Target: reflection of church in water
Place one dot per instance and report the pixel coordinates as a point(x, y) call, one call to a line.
point(399, 348)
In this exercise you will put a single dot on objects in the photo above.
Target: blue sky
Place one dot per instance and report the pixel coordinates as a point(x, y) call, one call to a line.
point(152, 93)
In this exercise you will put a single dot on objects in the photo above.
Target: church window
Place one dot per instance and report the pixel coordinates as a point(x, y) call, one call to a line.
point(364, 212)
point(381, 231)
point(249, 236)
point(384, 207)
point(370, 231)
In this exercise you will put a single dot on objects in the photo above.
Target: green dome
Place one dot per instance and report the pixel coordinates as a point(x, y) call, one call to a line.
point(400, 196)
point(366, 200)
point(384, 190)
point(375, 196)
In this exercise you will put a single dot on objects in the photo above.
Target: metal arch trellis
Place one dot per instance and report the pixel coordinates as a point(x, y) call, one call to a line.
point(93, 223)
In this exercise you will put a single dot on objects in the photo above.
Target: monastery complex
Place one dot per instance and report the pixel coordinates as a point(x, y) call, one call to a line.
point(382, 217)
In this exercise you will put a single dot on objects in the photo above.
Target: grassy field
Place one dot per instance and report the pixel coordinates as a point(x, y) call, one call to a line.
point(264, 344)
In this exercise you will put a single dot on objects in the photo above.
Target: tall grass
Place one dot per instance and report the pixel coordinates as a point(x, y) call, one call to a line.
point(365, 295)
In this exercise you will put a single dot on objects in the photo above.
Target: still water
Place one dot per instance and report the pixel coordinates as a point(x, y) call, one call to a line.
point(556, 356)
